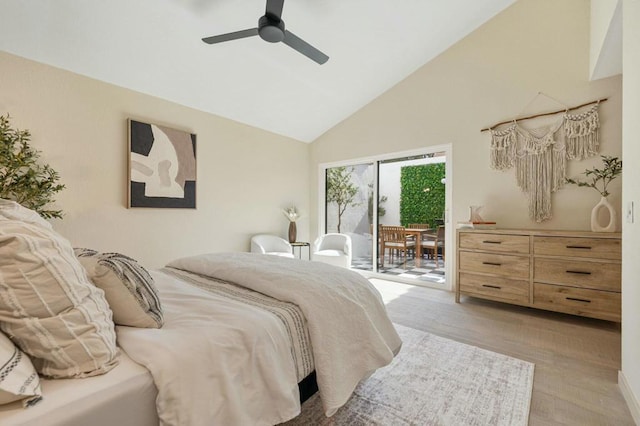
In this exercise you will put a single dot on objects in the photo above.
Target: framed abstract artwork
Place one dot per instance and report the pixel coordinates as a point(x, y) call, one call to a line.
point(162, 166)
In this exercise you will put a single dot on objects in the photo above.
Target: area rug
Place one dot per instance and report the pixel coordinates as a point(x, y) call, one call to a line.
point(435, 381)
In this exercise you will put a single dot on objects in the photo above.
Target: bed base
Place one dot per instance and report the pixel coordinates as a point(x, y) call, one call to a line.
point(308, 386)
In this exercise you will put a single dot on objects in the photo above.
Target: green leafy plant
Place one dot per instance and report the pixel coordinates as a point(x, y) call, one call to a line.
point(422, 194)
point(381, 209)
point(599, 179)
point(341, 190)
point(22, 178)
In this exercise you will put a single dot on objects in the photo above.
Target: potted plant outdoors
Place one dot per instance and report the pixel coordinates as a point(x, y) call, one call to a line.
point(341, 190)
point(599, 179)
point(22, 178)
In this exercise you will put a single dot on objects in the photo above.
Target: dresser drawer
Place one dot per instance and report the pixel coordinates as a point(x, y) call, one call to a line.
point(495, 242)
point(586, 274)
point(495, 288)
point(578, 301)
point(498, 264)
point(598, 248)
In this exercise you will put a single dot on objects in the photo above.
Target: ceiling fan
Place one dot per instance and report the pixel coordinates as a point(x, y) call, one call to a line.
point(271, 28)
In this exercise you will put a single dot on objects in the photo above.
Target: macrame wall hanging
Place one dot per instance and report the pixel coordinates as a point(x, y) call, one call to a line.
point(540, 155)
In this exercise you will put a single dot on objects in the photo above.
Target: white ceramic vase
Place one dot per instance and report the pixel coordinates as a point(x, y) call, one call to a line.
point(596, 226)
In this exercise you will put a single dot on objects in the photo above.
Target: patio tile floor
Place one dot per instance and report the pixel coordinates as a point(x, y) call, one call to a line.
point(427, 271)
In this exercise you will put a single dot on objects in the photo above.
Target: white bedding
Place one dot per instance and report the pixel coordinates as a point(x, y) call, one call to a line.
point(351, 334)
point(222, 361)
point(216, 361)
point(125, 396)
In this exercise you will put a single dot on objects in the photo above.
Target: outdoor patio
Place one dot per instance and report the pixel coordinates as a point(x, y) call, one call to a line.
point(426, 271)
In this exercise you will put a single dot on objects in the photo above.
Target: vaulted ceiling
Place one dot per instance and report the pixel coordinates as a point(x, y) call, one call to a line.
point(155, 47)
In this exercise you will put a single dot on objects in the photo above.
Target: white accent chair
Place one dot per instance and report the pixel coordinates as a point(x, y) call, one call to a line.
point(334, 249)
point(271, 244)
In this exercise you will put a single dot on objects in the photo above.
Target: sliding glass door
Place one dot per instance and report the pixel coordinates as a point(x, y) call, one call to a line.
point(349, 208)
point(414, 193)
point(410, 191)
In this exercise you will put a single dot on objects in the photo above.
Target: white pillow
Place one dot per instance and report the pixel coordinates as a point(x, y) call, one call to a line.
point(47, 304)
point(18, 378)
point(128, 287)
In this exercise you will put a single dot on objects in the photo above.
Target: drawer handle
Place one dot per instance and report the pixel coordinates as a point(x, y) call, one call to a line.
point(579, 247)
point(578, 300)
point(492, 263)
point(492, 286)
point(491, 242)
point(579, 272)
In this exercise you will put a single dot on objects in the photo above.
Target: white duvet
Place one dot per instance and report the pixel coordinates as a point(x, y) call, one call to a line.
point(351, 334)
point(215, 361)
point(221, 362)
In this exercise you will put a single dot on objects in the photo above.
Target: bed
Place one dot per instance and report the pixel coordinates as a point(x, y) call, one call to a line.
point(245, 337)
point(124, 396)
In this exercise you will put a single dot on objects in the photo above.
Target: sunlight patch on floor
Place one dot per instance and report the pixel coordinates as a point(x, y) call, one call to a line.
point(390, 290)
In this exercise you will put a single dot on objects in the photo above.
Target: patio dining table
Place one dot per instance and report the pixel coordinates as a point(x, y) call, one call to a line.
point(418, 233)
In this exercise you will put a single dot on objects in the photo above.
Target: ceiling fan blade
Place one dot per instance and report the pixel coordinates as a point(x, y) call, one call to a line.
point(274, 9)
point(231, 36)
point(303, 47)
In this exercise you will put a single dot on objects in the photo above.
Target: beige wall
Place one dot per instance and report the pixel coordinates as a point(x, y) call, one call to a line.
point(534, 45)
point(630, 193)
point(245, 175)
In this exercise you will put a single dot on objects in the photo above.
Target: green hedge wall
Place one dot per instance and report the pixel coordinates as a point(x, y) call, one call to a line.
point(416, 204)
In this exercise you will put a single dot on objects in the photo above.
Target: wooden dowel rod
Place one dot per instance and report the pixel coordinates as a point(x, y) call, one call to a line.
point(543, 114)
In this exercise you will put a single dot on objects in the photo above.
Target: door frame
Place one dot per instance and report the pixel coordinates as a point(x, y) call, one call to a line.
point(448, 208)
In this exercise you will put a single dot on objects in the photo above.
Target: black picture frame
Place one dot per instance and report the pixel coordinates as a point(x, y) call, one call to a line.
point(162, 166)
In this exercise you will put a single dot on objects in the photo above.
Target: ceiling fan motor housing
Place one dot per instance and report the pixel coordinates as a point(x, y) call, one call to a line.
point(271, 30)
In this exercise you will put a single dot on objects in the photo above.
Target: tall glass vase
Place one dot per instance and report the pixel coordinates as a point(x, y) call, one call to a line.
point(293, 231)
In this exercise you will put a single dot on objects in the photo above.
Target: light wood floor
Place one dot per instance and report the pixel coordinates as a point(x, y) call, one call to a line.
point(576, 359)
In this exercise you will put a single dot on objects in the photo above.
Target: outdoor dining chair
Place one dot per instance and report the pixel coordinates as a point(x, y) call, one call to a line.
point(395, 239)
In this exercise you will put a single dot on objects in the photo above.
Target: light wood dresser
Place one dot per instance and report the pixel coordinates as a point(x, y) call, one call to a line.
point(565, 271)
